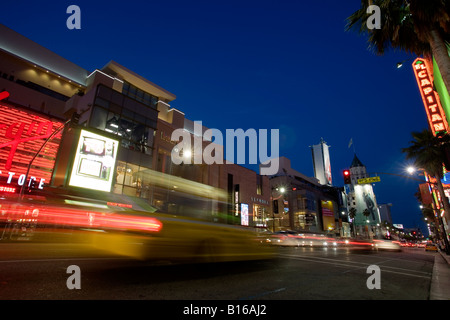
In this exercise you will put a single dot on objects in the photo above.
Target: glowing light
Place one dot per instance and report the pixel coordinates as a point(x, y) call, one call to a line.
point(187, 154)
point(435, 113)
point(411, 170)
point(4, 95)
point(66, 216)
point(7, 189)
point(22, 134)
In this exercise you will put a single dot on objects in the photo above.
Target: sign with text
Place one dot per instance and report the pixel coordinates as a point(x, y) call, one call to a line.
point(27, 139)
point(368, 180)
point(435, 113)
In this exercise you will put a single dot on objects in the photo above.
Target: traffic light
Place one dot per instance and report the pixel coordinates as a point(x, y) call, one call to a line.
point(347, 178)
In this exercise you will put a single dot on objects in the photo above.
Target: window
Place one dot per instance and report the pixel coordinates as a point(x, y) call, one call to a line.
point(139, 95)
point(134, 122)
point(98, 118)
point(259, 184)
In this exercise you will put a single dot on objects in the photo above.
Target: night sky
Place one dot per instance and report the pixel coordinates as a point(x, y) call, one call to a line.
point(287, 65)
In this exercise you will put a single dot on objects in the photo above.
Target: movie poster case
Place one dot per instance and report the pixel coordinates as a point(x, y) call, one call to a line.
point(94, 163)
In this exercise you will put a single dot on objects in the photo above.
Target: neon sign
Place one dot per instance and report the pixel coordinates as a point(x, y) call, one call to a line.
point(7, 189)
point(22, 134)
point(435, 113)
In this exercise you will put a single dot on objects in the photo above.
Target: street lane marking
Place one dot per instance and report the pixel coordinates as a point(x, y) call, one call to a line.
point(426, 275)
point(366, 263)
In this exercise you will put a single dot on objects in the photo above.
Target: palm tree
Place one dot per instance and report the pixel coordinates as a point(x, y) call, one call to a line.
point(414, 26)
point(352, 215)
point(366, 214)
point(429, 153)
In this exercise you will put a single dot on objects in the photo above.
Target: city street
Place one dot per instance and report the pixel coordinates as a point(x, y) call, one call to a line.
point(40, 271)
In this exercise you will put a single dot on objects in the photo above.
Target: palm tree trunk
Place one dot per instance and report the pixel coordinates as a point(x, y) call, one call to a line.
point(440, 54)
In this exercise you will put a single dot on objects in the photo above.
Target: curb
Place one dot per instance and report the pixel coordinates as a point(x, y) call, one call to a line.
point(440, 282)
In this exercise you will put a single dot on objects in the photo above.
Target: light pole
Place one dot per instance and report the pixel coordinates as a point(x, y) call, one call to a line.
point(281, 191)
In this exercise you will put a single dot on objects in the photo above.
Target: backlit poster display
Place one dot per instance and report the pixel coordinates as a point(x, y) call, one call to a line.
point(244, 214)
point(94, 164)
point(328, 215)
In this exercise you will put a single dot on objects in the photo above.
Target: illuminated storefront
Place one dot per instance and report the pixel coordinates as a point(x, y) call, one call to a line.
point(425, 71)
point(28, 148)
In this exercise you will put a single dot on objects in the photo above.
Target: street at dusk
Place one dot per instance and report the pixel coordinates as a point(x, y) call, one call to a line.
point(224, 159)
point(296, 274)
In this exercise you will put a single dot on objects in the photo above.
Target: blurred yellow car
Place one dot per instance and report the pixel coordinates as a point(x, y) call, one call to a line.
point(184, 239)
point(431, 247)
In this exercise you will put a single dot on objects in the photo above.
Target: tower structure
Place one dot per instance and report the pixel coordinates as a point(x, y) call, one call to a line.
point(321, 162)
point(362, 198)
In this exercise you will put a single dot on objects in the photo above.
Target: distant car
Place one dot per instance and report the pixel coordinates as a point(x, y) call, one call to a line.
point(302, 239)
point(286, 238)
point(422, 245)
point(431, 247)
point(387, 245)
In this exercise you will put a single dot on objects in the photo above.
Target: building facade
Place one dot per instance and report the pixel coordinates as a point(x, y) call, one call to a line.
point(303, 203)
point(322, 163)
point(113, 114)
point(361, 197)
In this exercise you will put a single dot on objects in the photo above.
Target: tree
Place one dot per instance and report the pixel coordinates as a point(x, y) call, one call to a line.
point(429, 154)
point(414, 26)
point(366, 214)
point(352, 215)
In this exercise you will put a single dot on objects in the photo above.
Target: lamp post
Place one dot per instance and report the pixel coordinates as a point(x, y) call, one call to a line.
point(281, 191)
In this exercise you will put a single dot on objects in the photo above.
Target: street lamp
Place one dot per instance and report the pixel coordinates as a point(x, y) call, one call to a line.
point(411, 170)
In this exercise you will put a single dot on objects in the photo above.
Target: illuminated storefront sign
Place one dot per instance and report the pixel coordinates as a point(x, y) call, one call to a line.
point(436, 116)
point(95, 161)
point(23, 140)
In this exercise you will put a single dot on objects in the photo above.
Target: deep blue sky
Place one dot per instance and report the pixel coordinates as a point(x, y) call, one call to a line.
point(285, 65)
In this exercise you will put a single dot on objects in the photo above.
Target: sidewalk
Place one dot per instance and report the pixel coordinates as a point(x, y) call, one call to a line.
point(440, 282)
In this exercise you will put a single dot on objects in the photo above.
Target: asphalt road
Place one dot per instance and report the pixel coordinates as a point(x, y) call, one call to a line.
point(40, 272)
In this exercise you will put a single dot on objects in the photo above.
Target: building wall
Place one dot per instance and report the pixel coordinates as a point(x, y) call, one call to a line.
point(120, 103)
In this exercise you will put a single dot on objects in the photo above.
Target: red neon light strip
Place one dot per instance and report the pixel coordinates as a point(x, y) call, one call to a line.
point(57, 216)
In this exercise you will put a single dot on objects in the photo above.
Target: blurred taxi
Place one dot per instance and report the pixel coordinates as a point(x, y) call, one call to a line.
point(185, 239)
point(431, 247)
point(118, 229)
